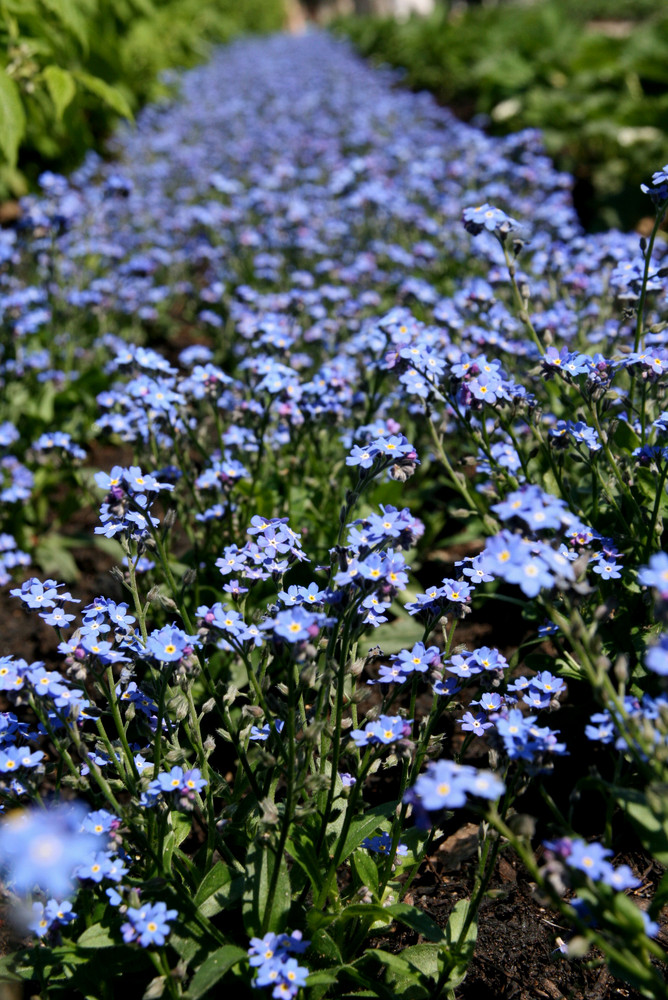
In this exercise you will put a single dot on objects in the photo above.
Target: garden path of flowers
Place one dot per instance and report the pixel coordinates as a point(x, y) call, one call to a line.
point(267, 366)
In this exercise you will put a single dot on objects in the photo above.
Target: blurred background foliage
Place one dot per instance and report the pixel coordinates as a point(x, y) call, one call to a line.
point(591, 74)
point(70, 68)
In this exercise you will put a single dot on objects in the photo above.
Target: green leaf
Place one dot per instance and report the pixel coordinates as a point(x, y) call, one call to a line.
point(34, 963)
point(111, 96)
point(185, 946)
point(96, 936)
point(324, 977)
point(8, 974)
point(396, 635)
point(219, 888)
point(300, 848)
point(12, 117)
point(394, 962)
point(649, 814)
point(372, 911)
point(260, 866)
point(627, 914)
point(326, 945)
point(568, 671)
point(411, 979)
point(460, 948)
point(213, 969)
point(425, 958)
point(660, 897)
point(417, 919)
point(364, 825)
point(70, 15)
point(179, 825)
point(366, 870)
point(61, 87)
point(53, 558)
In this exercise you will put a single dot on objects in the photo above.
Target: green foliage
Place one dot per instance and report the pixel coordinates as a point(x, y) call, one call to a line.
point(70, 68)
point(593, 77)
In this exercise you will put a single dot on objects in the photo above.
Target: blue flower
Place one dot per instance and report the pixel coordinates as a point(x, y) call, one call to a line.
point(42, 847)
point(487, 217)
point(656, 657)
point(149, 924)
point(381, 844)
point(476, 724)
point(656, 574)
point(383, 730)
point(170, 644)
point(446, 785)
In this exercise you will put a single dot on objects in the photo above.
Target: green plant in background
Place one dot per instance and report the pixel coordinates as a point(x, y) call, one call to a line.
point(592, 77)
point(70, 68)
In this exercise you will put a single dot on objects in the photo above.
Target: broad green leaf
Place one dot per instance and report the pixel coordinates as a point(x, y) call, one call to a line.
point(54, 559)
point(394, 962)
point(218, 889)
point(111, 96)
point(417, 919)
point(61, 87)
point(326, 945)
point(406, 978)
point(12, 117)
point(34, 963)
point(649, 814)
point(455, 926)
point(181, 825)
point(396, 635)
point(322, 978)
point(179, 828)
point(425, 958)
point(8, 974)
point(366, 870)
point(70, 15)
point(186, 947)
point(213, 969)
point(374, 912)
point(460, 948)
point(300, 848)
point(568, 671)
point(260, 866)
point(627, 914)
point(97, 936)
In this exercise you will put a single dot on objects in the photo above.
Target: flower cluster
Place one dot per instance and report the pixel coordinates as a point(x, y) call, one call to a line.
point(382, 731)
point(130, 496)
point(178, 785)
point(273, 966)
point(44, 847)
point(148, 924)
point(446, 785)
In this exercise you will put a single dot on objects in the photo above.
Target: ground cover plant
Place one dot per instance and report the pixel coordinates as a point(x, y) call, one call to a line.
point(323, 377)
point(70, 68)
point(591, 76)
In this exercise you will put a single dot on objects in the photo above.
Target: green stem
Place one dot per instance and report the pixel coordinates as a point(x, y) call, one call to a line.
point(120, 729)
point(288, 805)
point(341, 841)
point(519, 302)
point(655, 511)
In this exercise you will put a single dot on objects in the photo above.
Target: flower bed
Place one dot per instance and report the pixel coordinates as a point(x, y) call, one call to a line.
point(331, 382)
